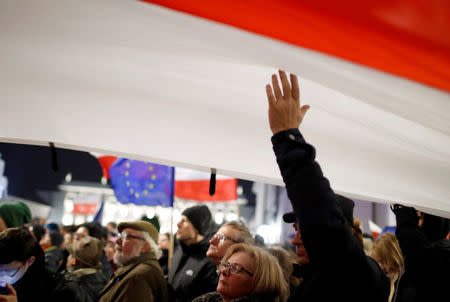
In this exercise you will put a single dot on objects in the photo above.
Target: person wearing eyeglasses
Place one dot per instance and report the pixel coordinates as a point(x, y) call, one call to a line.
point(139, 277)
point(23, 276)
point(228, 234)
point(248, 273)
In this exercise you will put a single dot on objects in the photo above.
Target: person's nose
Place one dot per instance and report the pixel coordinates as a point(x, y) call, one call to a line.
point(213, 240)
point(297, 240)
point(119, 240)
point(225, 271)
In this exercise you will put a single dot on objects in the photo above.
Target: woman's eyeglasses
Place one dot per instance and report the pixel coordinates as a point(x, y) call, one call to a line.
point(233, 268)
point(223, 237)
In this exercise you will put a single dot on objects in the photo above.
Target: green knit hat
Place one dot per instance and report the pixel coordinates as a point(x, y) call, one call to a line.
point(15, 214)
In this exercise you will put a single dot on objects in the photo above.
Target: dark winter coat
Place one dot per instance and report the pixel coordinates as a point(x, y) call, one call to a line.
point(191, 273)
point(339, 269)
point(53, 258)
point(140, 280)
point(427, 262)
point(82, 285)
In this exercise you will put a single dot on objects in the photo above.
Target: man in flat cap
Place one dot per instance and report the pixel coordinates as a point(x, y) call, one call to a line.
point(139, 277)
point(334, 266)
point(191, 273)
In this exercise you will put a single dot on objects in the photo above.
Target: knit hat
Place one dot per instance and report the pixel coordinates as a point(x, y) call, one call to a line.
point(15, 214)
point(345, 204)
point(200, 217)
point(88, 251)
point(143, 226)
point(52, 226)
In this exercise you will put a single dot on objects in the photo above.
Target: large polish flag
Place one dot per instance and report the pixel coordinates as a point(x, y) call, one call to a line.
point(181, 83)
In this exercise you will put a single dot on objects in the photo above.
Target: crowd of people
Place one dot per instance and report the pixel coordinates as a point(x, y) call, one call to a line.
point(331, 261)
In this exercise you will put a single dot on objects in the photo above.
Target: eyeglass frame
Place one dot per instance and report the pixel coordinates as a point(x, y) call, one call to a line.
point(225, 237)
point(236, 267)
point(11, 276)
point(125, 236)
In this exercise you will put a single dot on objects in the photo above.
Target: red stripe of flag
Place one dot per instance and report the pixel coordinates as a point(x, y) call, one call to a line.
point(407, 38)
point(199, 190)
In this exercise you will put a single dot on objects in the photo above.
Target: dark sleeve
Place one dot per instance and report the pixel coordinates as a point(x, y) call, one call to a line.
point(312, 198)
point(325, 234)
point(412, 240)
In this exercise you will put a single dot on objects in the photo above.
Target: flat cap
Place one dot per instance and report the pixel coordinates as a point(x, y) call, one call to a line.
point(143, 226)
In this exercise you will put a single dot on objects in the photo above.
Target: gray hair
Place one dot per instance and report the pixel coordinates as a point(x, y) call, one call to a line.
point(154, 248)
point(243, 234)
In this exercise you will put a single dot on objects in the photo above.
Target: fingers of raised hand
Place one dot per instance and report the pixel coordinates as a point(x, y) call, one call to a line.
point(270, 96)
point(286, 84)
point(276, 87)
point(295, 88)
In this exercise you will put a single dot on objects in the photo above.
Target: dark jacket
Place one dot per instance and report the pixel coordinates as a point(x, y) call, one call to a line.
point(163, 261)
point(339, 269)
point(215, 297)
point(140, 280)
point(38, 284)
point(53, 258)
point(427, 262)
point(191, 273)
point(82, 285)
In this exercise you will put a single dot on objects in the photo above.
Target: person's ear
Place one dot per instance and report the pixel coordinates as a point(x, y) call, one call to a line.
point(146, 247)
point(31, 260)
point(420, 214)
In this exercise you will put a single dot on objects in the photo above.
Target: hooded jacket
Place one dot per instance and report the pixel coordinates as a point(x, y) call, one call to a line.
point(191, 273)
point(339, 270)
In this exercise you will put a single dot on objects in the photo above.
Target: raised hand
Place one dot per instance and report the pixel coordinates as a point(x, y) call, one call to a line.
point(285, 111)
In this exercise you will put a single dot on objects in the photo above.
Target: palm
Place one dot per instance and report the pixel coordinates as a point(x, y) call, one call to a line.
point(284, 108)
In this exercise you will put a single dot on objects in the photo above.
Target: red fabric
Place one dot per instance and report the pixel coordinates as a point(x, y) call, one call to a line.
point(407, 38)
point(199, 190)
point(85, 208)
point(106, 162)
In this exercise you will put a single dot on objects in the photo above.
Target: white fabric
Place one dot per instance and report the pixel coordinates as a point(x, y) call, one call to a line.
point(135, 80)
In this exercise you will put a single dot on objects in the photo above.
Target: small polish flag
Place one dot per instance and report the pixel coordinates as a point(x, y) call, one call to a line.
point(194, 185)
point(374, 228)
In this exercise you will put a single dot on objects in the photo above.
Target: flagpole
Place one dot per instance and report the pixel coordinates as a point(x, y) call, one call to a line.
point(171, 239)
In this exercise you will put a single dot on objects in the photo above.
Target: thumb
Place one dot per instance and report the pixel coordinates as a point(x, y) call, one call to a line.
point(304, 108)
point(12, 291)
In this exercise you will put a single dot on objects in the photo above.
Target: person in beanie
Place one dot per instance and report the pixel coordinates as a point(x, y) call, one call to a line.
point(139, 277)
point(84, 278)
point(345, 273)
point(14, 214)
point(191, 273)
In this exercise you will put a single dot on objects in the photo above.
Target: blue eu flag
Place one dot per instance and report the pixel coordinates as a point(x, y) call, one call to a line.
point(142, 183)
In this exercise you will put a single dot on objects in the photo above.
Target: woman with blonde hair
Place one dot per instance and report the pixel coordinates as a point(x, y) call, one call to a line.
point(386, 251)
point(248, 273)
